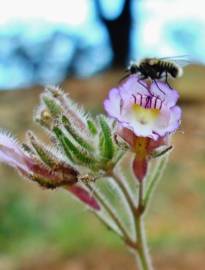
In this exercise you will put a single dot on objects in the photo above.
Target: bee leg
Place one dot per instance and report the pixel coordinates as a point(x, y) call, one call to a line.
point(169, 85)
point(140, 82)
point(166, 80)
point(158, 87)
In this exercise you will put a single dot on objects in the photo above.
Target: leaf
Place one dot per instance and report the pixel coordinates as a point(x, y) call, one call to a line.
point(77, 154)
point(154, 178)
point(92, 127)
point(79, 139)
point(106, 141)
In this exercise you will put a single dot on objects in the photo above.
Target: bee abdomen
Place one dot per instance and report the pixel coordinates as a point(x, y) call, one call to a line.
point(171, 68)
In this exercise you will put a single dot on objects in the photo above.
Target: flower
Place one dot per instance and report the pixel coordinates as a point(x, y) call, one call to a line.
point(143, 147)
point(146, 114)
point(145, 109)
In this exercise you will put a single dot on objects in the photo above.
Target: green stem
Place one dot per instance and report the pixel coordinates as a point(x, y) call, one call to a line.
point(142, 251)
point(109, 210)
point(125, 191)
point(141, 246)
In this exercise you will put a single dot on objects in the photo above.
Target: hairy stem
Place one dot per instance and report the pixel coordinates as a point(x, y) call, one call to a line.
point(137, 212)
point(125, 192)
point(142, 251)
point(141, 246)
point(114, 217)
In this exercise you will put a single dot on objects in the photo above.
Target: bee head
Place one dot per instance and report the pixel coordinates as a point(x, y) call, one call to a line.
point(133, 68)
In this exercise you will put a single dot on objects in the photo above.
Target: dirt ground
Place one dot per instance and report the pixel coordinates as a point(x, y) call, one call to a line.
point(16, 114)
point(112, 260)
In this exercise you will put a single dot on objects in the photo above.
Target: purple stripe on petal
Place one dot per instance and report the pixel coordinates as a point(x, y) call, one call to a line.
point(170, 97)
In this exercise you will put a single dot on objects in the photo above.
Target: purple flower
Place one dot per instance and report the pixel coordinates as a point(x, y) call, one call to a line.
point(149, 110)
point(146, 114)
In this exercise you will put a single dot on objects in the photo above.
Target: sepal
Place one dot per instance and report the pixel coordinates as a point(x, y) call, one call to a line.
point(106, 145)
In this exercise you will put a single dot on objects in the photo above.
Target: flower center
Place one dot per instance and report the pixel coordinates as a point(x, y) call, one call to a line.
point(140, 147)
point(146, 109)
point(144, 115)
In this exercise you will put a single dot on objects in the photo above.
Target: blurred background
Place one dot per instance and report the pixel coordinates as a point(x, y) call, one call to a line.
point(84, 46)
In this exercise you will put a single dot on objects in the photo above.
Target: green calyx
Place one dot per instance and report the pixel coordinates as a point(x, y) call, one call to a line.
point(73, 132)
point(106, 144)
point(52, 106)
point(75, 153)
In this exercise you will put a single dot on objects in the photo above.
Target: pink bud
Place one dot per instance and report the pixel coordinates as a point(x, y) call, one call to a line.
point(12, 154)
point(140, 168)
point(84, 196)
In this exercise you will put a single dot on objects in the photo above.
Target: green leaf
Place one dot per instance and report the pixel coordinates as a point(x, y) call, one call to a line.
point(106, 142)
point(92, 127)
point(154, 178)
point(77, 154)
point(75, 134)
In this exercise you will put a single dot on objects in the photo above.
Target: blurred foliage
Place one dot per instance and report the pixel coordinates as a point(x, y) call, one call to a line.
point(56, 222)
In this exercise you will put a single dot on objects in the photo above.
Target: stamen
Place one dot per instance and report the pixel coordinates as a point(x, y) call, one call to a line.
point(135, 99)
point(121, 105)
point(140, 95)
point(156, 133)
point(162, 101)
point(155, 104)
point(158, 103)
point(148, 102)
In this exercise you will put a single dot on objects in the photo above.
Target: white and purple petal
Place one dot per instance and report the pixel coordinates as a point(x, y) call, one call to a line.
point(165, 93)
point(134, 101)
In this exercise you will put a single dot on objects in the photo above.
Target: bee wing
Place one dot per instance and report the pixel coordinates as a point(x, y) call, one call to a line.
point(183, 56)
point(181, 60)
point(182, 63)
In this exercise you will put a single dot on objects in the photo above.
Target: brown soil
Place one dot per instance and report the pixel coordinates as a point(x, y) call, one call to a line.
point(113, 260)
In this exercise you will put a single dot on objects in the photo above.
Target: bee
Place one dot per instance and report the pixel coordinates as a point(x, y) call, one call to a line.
point(156, 69)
